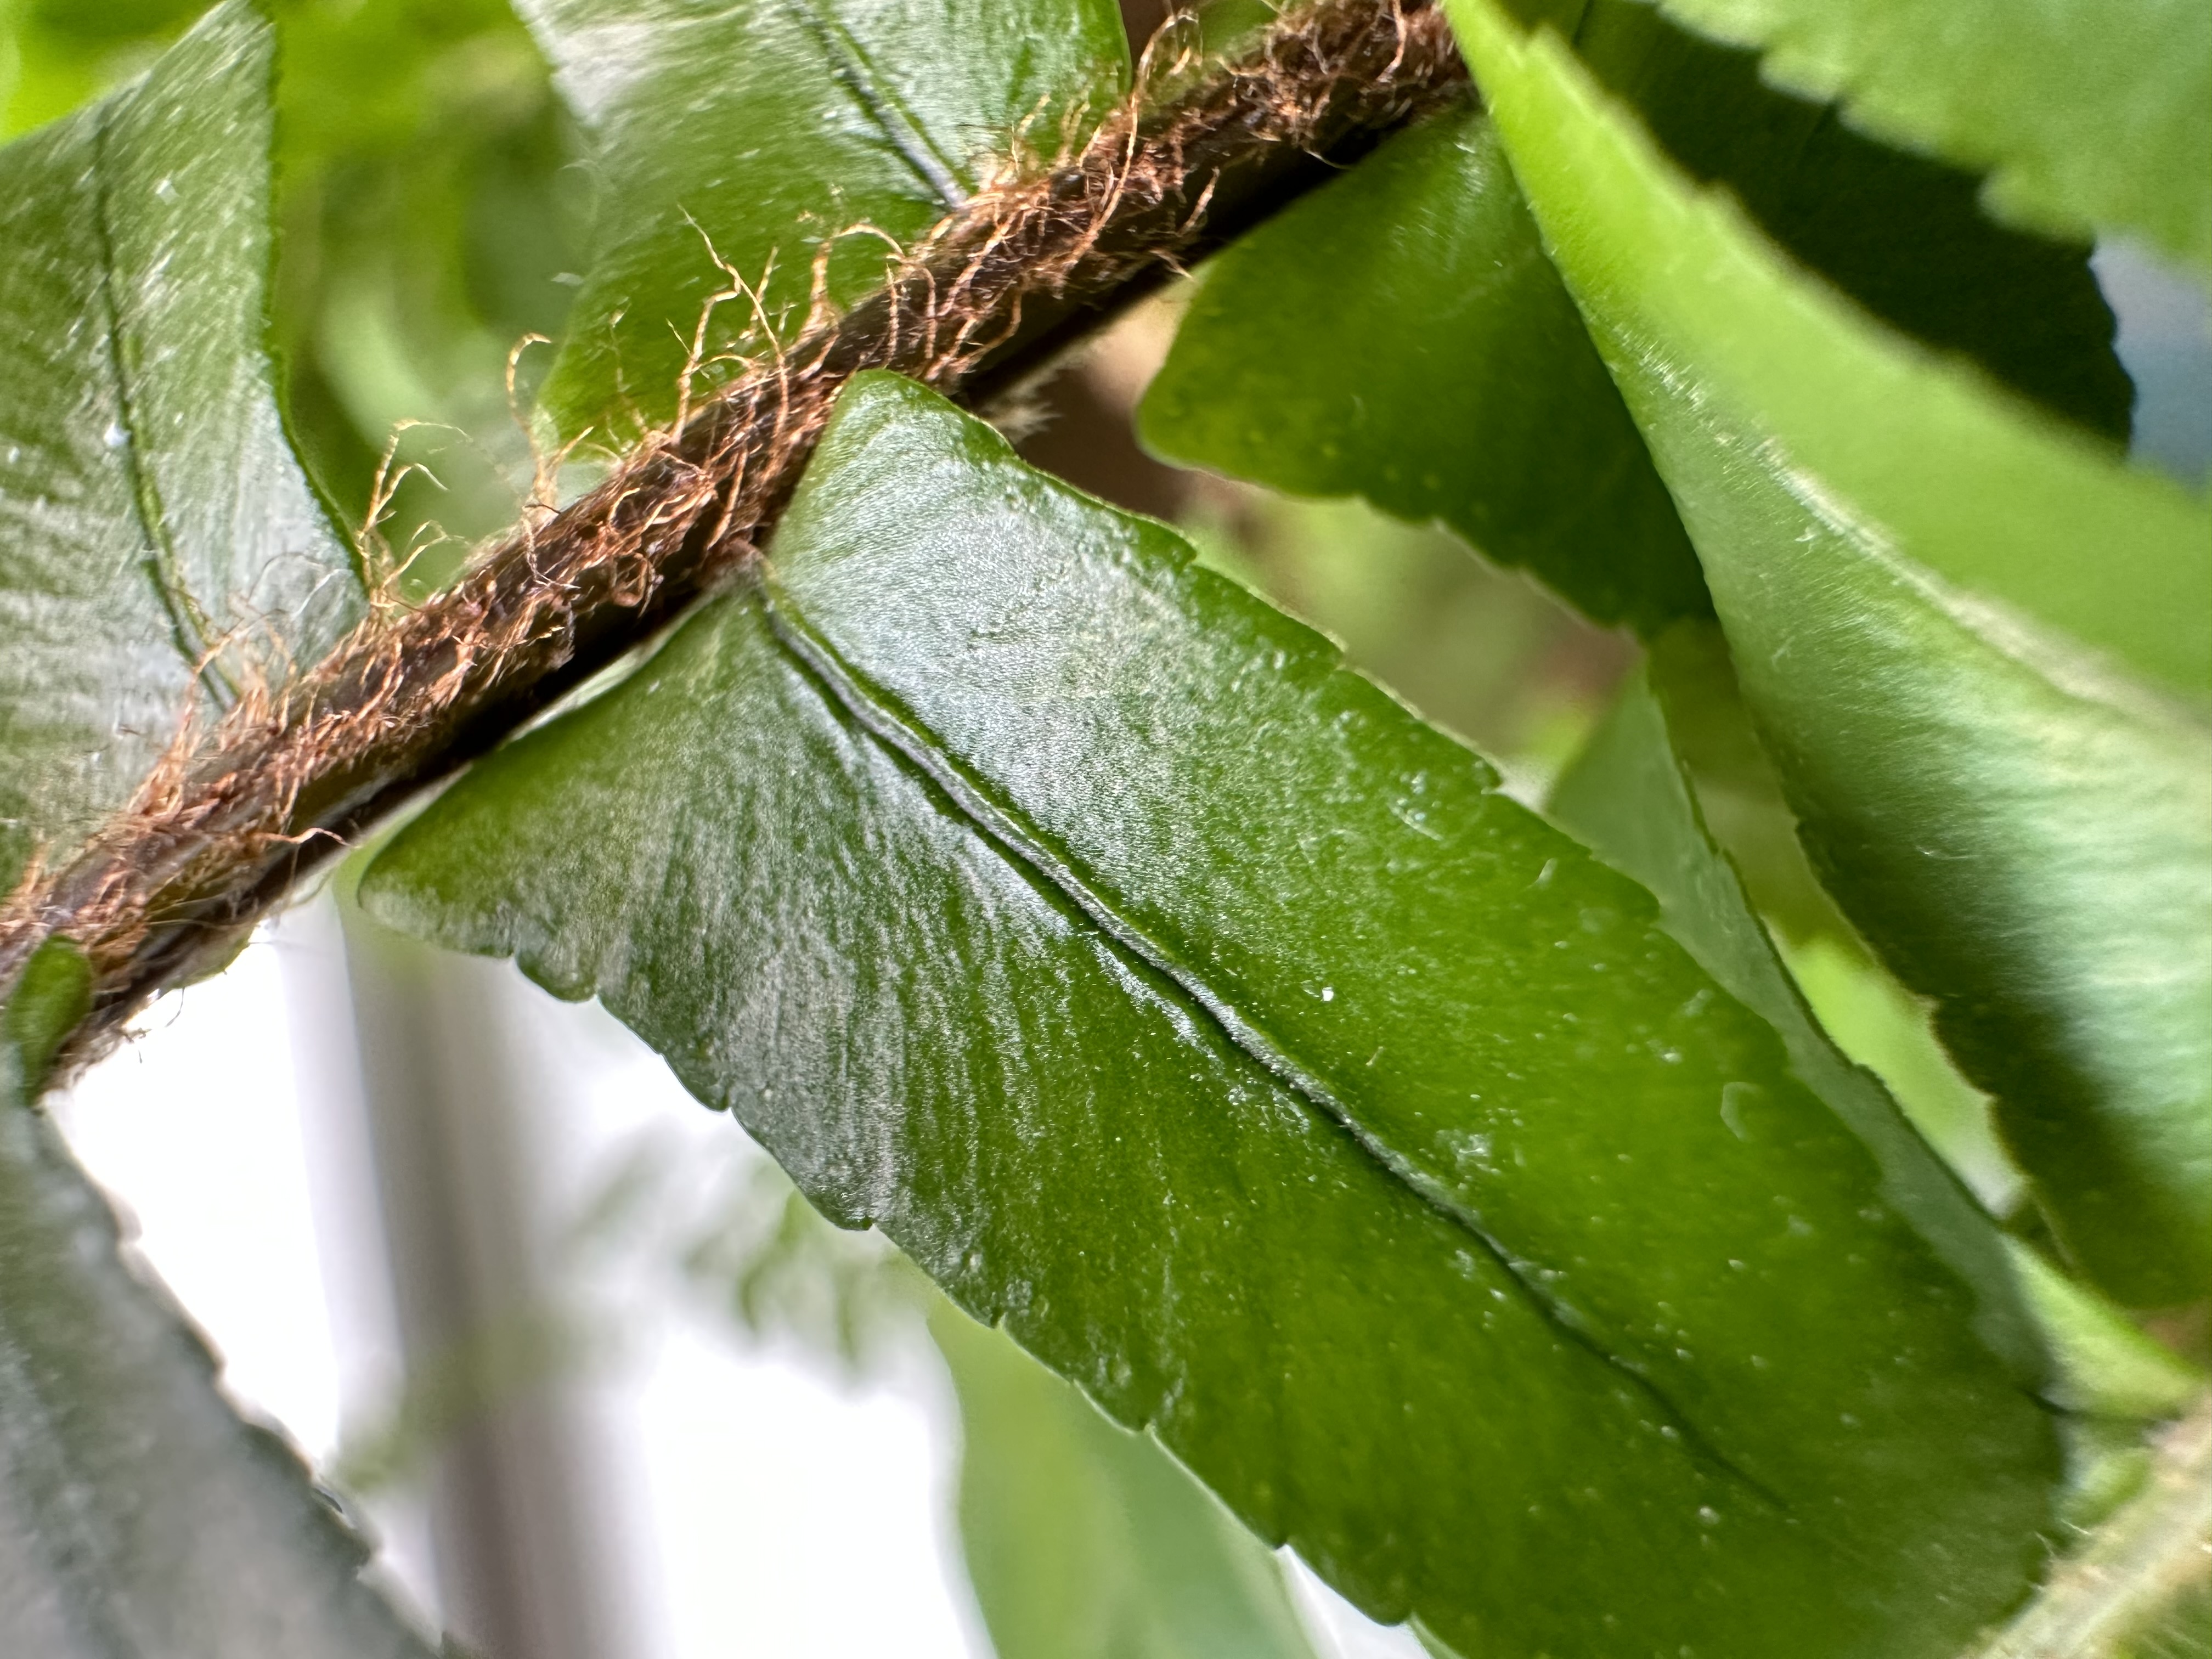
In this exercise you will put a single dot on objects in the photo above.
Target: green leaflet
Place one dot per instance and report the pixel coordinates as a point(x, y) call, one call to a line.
point(2023, 835)
point(1182, 1003)
point(1399, 334)
point(1086, 1541)
point(51, 995)
point(2102, 1365)
point(2091, 115)
point(138, 1514)
point(151, 514)
point(762, 128)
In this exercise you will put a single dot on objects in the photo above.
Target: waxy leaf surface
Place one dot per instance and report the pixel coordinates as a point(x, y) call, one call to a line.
point(158, 542)
point(1909, 567)
point(1178, 999)
point(139, 1515)
point(753, 133)
point(1630, 797)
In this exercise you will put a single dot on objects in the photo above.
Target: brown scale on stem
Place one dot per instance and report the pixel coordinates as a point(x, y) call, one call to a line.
point(241, 809)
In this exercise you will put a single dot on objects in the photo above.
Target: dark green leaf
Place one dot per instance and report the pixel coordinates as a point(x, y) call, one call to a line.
point(753, 132)
point(2091, 115)
point(1629, 796)
point(1086, 1541)
point(1180, 1001)
point(151, 515)
point(1400, 334)
point(138, 1514)
point(2025, 836)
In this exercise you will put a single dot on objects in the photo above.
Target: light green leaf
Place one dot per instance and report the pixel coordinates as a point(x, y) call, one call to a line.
point(1400, 334)
point(756, 131)
point(433, 215)
point(2103, 1366)
point(1181, 1002)
point(152, 517)
point(1884, 1028)
point(2090, 115)
point(1086, 1541)
point(138, 1514)
point(1903, 236)
point(2024, 835)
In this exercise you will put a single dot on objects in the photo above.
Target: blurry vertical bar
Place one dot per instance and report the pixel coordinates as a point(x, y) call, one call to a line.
point(522, 1571)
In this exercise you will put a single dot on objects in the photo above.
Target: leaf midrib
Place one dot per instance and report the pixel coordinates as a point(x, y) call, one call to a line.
point(161, 565)
point(850, 63)
point(1003, 830)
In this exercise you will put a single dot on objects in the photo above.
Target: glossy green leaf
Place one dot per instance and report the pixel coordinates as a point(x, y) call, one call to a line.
point(752, 133)
point(1179, 1001)
point(2025, 836)
point(2090, 115)
point(139, 1515)
point(1400, 334)
point(1086, 1541)
point(1629, 796)
point(151, 515)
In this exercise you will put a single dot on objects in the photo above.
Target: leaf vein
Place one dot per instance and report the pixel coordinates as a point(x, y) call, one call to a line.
point(1004, 830)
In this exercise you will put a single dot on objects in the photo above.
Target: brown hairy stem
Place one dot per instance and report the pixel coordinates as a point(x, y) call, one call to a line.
point(243, 810)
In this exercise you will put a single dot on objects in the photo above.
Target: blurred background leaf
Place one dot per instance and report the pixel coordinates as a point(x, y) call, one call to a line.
point(430, 219)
